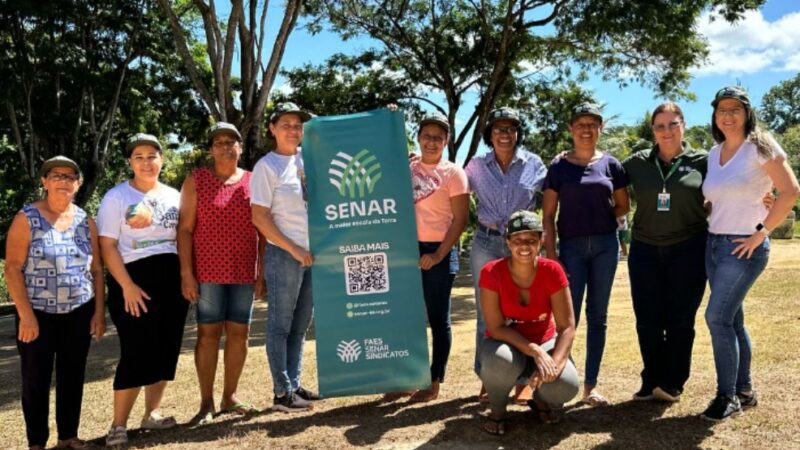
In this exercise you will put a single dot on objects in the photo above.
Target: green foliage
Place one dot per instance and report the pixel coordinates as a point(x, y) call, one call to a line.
point(780, 106)
point(4, 297)
point(790, 141)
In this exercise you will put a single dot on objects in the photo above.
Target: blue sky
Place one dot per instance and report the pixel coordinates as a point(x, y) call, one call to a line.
point(757, 52)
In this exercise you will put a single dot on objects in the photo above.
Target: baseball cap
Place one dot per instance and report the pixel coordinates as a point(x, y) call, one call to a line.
point(586, 109)
point(59, 161)
point(734, 92)
point(523, 221)
point(504, 113)
point(142, 139)
point(223, 128)
point(436, 118)
point(288, 108)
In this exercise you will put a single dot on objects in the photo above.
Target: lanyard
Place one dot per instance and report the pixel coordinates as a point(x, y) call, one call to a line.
point(672, 170)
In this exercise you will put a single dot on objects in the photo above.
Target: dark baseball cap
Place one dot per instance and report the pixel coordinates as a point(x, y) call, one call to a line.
point(504, 113)
point(288, 108)
point(436, 118)
point(59, 161)
point(142, 139)
point(586, 109)
point(734, 92)
point(223, 128)
point(523, 220)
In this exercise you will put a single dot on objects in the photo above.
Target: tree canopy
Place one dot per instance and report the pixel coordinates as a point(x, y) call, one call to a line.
point(780, 106)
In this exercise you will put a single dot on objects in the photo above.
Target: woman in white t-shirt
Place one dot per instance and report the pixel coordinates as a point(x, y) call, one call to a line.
point(278, 203)
point(746, 163)
point(137, 223)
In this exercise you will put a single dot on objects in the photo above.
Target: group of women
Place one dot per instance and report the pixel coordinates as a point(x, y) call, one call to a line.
point(699, 216)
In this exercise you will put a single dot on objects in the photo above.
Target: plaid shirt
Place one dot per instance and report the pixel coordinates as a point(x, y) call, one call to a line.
point(500, 194)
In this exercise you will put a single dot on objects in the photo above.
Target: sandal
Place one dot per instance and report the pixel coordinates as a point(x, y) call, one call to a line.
point(156, 422)
point(547, 416)
point(495, 426)
point(594, 400)
point(202, 418)
point(74, 444)
point(522, 394)
point(240, 409)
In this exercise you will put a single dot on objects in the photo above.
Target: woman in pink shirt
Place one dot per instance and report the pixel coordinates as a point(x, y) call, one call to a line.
point(441, 206)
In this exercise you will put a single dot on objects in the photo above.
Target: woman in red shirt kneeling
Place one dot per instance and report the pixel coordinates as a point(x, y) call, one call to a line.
point(530, 325)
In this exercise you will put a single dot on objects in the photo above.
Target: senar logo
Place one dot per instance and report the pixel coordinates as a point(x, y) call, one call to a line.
point(354, 176)
point(348, 351)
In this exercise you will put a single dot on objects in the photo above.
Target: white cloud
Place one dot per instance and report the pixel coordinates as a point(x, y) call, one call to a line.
point(751, 45)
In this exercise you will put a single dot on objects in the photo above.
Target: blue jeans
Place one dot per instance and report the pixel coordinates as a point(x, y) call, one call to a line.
point(289, 312)
point(225, 302)
point(437, 283)
point(730, 278)
point(485, 247)
point(590, 263)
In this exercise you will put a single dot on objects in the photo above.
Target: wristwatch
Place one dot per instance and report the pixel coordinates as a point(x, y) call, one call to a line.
point(762, 229)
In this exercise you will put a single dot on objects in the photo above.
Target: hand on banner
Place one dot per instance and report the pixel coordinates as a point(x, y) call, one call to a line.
point(303, 256)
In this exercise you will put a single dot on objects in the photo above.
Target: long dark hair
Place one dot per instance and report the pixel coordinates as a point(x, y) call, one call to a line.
point(762, 139)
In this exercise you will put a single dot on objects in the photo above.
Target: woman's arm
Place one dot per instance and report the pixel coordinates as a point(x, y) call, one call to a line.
point(260, 288)
point(262, 219)
point(18, 242)
point(549, 206)
point(622, 202)
point(785, 181)
point(134, 296)
point(187, 220)
point(460, 207)
point(97, 326)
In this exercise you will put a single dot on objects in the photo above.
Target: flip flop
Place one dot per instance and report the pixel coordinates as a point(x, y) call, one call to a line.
point(522, 394)
point(594, 400)
point(547, 416)
point(240, 409)
point(498, 426)
point(202, 418)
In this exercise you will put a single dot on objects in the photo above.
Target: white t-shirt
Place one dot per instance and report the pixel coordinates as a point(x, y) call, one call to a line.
point(134, 244)
point(277, 184)
point(736, 190)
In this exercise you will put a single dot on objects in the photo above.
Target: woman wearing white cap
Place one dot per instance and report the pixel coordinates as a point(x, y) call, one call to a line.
point(137, 223)
point(55, 279)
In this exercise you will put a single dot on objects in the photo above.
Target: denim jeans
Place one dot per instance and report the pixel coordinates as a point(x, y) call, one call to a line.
point(289, 312)
point(590, 263)
point(485, 247)
point(730, 278)
point(667, 286)
point(437, 283)
point(225, 302)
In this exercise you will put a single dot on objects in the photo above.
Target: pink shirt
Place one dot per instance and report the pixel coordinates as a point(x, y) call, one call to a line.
point(433, 186)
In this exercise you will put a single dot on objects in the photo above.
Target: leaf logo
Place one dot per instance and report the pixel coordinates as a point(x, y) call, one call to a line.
point(348, 351)
point(354, 176)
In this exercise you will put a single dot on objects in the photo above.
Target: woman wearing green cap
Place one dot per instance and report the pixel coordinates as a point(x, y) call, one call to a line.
point(530, 326)
point(278, 203)
point(137, 223)
point(744, 164)
point(55, 279)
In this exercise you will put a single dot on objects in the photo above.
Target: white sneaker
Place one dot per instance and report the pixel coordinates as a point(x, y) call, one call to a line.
point(116, 436)
point(156, 421)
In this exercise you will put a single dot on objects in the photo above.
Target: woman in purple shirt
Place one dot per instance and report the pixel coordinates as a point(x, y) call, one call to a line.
point(590, 188)
point(504, 180)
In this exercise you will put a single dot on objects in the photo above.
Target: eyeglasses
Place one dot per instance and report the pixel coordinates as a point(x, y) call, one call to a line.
point(224, 144)
point(504, 130)
point(660, 128)
point(728, 112)
point(290, 127)
point(56, 176)
point(432, 138)
point(586, 125)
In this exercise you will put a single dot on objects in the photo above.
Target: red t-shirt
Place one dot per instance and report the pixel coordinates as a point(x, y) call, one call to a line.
point(534, 321)
point(225, 240)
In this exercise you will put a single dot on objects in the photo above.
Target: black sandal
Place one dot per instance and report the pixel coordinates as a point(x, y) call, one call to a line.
point(547, 416)
point(499, 426)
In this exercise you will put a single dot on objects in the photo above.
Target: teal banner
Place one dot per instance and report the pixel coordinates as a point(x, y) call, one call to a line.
point(369, 311)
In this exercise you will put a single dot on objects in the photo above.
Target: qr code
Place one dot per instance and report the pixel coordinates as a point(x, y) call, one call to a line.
point(366, 273)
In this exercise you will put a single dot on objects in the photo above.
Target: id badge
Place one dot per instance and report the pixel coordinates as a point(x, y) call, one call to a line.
point(663, 201)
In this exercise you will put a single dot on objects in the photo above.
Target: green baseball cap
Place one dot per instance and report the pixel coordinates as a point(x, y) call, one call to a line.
point(586, 109)
point(223, 128)
point(288, 108)
point(142, 139)
point(59, 161)
point(435, 118)
point(504, 113)
point(523, 220)
point(734, 92)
